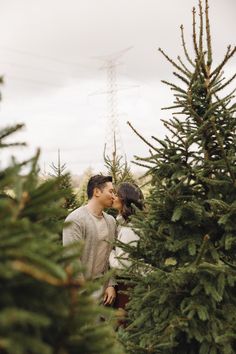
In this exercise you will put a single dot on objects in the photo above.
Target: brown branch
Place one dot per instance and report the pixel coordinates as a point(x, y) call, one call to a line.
point(201, 27)
point(184, 66)
point(225, 84)
point(228, 55)
point(194, 32)
point(208, 33)
point(173, 87)
point(141, 137)
point(172, 62)
point(40, 275)
point(184, 46)
point(181, 78)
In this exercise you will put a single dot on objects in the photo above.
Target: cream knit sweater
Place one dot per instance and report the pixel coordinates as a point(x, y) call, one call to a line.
point(80, 226)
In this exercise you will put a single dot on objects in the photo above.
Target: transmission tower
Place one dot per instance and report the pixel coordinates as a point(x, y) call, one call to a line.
point(112, 134)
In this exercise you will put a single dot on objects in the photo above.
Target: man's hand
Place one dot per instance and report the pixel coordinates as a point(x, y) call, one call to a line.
point(109, 295)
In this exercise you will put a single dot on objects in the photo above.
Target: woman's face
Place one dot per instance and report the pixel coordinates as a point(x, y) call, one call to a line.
point(117, 203)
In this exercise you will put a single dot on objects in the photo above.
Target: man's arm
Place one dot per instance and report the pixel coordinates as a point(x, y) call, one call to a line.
point(72, 232)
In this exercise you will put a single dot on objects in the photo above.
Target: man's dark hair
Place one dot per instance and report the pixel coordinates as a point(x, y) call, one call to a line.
point(97, 181)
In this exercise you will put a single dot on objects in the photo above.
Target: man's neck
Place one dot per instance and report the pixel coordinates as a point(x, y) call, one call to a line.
point(94, 208)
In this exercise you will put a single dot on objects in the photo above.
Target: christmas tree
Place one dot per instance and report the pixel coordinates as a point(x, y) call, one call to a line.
point(82, 192)
point(184, 268)
point(44, 307)
point(117, 166)
point(58, 171)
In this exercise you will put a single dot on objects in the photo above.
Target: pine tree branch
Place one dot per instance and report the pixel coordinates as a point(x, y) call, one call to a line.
point(202, 251)
point(173, 87)
point(169, 126)
point(217, 104)
point(149, 159)
point(194, 33)
point(5, 145)
point(184, 67)
point(181, 78)
point(138, 163)
point(224, 85)
point(196, 72)
point(189, 107)
point(228, 263)
point(217, 71)
point(10, 130)
point(181, 95)
point(222, 104)
point(184, 46)
point(219, 140)
point(141, 137)
point(200, 45)
point(215, 87)
point(203, 127)
point(172, 107)
point(203, 66)
point(202, 53)
point(172, 62)
point(40, 275)
point(161, 142)
point(146, 183)
point(208, 33)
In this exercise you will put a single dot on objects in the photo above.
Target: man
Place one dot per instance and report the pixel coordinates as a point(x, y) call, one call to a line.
point(96, 229)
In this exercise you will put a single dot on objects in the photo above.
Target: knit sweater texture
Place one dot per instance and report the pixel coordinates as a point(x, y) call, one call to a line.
point(80, 226)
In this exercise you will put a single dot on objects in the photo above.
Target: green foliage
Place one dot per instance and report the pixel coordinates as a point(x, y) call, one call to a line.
point(186, 291)
point(82, 192)
point(44, 307)
point(116, 167)
point(70, 202)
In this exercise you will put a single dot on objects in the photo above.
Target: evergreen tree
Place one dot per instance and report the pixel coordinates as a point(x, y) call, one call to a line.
point(82, 192)
point(70, 202)
point(44, 307)
point(117, 167)
point(184, 268)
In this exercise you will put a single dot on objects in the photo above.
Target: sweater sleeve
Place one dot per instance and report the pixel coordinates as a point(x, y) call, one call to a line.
point(72, 232)
point(118, 258)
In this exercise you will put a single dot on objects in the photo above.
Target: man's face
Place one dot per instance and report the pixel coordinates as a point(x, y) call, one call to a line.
point(105, 196)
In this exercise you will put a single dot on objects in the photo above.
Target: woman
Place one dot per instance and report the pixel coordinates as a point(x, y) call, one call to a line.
point(128, 197)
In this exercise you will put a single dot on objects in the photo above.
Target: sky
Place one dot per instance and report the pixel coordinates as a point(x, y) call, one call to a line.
point(53, 56)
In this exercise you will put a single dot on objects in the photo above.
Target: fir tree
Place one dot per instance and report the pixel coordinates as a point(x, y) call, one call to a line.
point(82, 192)
point(184, 298)
point(44, 307)
point(117, 167)
point(71, 201)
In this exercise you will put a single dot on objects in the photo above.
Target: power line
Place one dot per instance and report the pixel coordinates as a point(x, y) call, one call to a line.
point(38, 82)
point(36, 55)
point(32, 67)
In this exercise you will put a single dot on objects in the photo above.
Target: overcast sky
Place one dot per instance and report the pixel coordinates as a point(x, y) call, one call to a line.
point(54, 82)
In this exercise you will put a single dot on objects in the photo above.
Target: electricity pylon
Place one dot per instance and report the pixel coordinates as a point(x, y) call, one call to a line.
point(112, 135)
